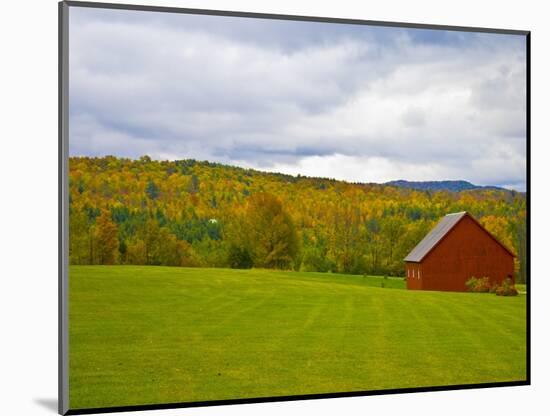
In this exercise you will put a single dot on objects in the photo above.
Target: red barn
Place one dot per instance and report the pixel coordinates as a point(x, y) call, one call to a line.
point(456, 249)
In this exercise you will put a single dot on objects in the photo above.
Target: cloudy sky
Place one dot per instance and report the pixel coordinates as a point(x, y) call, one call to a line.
point(351, 102)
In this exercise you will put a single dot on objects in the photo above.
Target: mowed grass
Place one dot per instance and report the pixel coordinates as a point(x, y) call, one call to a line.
point(143, 335)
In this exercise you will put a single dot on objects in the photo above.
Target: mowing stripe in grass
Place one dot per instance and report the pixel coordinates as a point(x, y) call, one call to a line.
point(142, 335)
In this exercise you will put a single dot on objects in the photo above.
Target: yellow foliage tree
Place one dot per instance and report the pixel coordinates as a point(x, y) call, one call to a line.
point(106, 237)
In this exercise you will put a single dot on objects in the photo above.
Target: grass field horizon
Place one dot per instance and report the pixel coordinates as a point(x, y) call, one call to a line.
point(150, 334)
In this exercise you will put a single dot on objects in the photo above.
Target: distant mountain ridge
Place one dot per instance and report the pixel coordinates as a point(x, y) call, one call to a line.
point(453, 186)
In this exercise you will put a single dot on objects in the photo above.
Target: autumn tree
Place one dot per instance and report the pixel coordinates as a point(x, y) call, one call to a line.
point(270, 232)
point(149, 241)
point(136, 252)
point(346, 247)
point(499, 228)
point(373, 246)
point(106, 239)
point(392, 230)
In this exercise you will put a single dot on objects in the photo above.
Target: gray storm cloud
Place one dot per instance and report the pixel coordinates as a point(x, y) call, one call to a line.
point(351, 102)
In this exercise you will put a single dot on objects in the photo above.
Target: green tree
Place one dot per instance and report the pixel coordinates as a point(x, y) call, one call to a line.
point(239, 257)
point(152, 190)
point(79, 237)
point(520, 228)
point(193, 184)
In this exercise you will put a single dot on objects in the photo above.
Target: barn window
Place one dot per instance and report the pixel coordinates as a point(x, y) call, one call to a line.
point(419, 273)
point(413, 272)
point(408, 272)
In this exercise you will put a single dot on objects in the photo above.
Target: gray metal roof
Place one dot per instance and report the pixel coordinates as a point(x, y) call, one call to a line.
point(434, 236)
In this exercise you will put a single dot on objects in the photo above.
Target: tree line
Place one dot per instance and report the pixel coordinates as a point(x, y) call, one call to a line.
point(203, 214)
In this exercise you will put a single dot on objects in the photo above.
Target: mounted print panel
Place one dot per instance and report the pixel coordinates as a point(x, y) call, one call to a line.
point(261, 208)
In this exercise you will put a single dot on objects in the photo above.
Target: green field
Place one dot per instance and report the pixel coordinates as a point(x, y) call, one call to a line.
point(142, 335)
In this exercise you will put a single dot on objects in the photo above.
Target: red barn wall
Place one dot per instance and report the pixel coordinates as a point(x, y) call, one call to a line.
point(413, 271)
point(466, 251)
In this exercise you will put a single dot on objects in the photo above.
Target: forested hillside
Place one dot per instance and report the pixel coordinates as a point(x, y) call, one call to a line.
point(455, 186)
point(189, 213)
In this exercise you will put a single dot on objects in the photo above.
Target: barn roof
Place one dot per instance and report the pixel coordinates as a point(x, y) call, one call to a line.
point(442, 228)
point(434, 236)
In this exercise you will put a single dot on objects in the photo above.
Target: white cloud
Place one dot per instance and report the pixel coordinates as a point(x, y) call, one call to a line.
point(355, 168)
point(355, 103)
